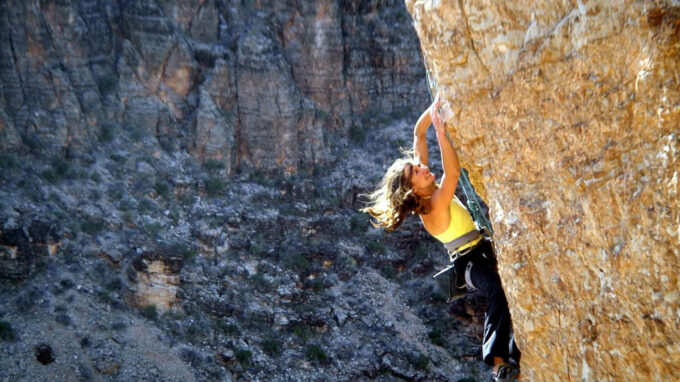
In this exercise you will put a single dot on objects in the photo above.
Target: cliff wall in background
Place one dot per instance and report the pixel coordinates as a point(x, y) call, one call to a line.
point(569, 112)
point(259, 84)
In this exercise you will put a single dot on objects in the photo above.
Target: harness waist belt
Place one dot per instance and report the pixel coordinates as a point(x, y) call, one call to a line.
point(453, 245)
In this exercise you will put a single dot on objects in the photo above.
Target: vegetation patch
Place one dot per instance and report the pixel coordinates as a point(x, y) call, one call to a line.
point(6, 331)
point(376, 247)
point(106, 132)
point(357, 134)
point(302, 331)
point(227, 328)
point(315, 353)
point(162, 189)
point(436, 337)
point(93, 226)
point(296, 261)
point(271, 345)
point(8, 162)
point(107, 83)
point(213, 165)
point(153, 229)
point(243, 356)
point(214, 186)
point(421, 362)
point(358, 223)
point(150, 312)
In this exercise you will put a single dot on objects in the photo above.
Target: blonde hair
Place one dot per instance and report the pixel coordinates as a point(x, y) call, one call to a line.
point(394, 198)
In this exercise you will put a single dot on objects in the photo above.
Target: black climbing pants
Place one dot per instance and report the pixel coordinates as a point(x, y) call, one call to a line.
point(499, 340)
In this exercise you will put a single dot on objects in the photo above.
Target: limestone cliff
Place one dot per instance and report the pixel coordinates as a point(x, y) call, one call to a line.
point(569, 111)
point(253, 84)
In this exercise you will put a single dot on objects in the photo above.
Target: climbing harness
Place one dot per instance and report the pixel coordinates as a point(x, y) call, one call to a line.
point(461, 263)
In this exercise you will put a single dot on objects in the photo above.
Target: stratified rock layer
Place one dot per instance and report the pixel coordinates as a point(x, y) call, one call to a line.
point(154, 279)
point(569, 112)
point(251, 84)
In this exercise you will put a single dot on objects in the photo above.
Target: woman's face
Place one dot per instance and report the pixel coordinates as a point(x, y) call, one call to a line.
point(419, 176)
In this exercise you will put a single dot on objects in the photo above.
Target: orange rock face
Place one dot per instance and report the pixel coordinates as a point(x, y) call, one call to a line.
point(570, 114)
point(154, 280)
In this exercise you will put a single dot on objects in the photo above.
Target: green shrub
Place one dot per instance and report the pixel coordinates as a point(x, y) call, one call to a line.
point(105, 297)
point(322, 115)
point(135, 131)
point(421, 362)
point(317, 285)
point(295, 261)
point(302, 331)
point(467, 379)
point(6, 331)
point(436, 337)
point(149, 312)
point(60, 166)
point(421, 251)
point(214, 165)
point(34, 144)
point(189, 254)
point(375, 247)
point(93, 226)
point(357, 134)
point(153, 229)
point(315, 353)
point(107, 83)
point(106, 132)
point(227, 328)
point(214, 186)
point(358, 223)
point(162, 189)
point(258, 176)
point(118, 158)
point(50, 175)
point(243, 356)
point(388, 272)
point(8, 162)
point(271, 345)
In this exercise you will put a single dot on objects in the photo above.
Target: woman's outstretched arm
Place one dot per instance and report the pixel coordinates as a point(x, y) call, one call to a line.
point(449, 180)
point(420, 136)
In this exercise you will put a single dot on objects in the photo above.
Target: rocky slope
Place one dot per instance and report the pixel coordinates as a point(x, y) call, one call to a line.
point(146, 268)
point(178, 196)
point(569, 114)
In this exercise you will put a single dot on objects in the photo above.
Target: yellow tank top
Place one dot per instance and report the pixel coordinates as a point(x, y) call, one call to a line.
point(460, 224)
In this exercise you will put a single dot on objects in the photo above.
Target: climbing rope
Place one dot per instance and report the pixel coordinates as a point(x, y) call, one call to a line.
point(473, 200)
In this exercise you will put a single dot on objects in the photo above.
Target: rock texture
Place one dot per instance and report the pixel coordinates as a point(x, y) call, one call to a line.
point(22, 248)
point(569, 112)
point(154, 279)
point(253, 84)
point(165, 270)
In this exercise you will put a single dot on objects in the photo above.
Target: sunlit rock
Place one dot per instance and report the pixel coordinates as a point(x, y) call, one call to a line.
point(153, 279)
point(568, 113)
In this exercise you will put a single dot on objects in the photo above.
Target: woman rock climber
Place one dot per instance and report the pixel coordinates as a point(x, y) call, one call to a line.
point(409, 187)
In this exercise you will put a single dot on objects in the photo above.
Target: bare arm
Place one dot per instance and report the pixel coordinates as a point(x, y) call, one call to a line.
point(420, 137)
point(442, 197)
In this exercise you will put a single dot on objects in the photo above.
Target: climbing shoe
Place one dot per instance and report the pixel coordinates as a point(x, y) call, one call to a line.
point(506, 373)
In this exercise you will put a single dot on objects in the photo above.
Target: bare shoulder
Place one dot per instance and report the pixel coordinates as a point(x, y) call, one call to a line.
point(436, 221)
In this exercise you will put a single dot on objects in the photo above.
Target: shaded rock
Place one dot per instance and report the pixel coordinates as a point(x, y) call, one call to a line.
point(44, 354)
point(22, 248)
point(214, 134)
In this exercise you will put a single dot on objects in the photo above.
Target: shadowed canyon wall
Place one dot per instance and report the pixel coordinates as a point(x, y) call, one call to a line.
point(568, 111)
point(224, 80)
